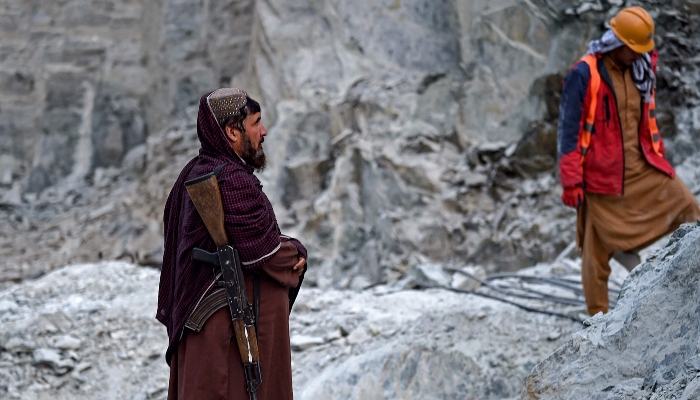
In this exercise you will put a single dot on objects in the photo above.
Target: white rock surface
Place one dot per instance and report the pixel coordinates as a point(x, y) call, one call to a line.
point(466, 282)
point(88, 331)
point(84, 332)
point(646, 347)
point(418, 345)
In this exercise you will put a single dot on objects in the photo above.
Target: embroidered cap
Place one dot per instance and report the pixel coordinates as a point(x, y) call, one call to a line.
point(226, 102)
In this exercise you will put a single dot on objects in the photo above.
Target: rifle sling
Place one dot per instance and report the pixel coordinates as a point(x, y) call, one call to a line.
point(218, 169)
point(256, 300)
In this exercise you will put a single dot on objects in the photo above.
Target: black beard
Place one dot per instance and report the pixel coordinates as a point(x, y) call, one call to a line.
point(252, 157)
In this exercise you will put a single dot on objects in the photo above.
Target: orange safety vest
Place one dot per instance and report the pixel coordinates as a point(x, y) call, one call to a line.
point(587, 126)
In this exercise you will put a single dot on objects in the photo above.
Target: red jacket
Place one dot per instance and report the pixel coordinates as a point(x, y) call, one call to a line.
point(591, 152)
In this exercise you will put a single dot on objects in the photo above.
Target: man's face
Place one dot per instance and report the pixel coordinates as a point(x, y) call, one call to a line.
point(251, 148)
point(625, 56)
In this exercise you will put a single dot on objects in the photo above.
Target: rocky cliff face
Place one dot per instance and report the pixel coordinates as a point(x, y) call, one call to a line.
point(86, 82)
point(400, 131)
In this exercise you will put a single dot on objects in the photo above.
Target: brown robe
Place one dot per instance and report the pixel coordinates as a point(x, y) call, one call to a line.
point(207, 364)
point(652, 205)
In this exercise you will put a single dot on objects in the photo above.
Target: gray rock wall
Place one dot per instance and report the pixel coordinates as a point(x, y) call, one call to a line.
point(399, 130)
point(409, 90)
point(383, 159)
point(83, 82)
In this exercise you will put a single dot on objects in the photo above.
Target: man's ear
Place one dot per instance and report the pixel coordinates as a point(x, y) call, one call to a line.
point(232, 133)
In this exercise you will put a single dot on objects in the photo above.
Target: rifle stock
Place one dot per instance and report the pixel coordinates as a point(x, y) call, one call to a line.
point(206, 196)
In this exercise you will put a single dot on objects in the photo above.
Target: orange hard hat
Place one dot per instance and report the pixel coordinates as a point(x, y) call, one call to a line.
point(635, 28)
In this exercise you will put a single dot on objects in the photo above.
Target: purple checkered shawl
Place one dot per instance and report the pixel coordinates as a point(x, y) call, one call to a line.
point(250, 224)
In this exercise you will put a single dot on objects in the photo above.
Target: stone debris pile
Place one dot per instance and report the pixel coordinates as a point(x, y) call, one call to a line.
point(83, 332)
point(645, 348)
point(88, 331)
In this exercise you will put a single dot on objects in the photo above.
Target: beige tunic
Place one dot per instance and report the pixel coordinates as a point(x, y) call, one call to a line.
point(651, 206)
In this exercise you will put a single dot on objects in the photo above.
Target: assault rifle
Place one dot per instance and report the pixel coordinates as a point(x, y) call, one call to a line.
point(206, 197)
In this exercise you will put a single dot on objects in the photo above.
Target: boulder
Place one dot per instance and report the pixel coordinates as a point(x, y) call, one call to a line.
point(645, 343)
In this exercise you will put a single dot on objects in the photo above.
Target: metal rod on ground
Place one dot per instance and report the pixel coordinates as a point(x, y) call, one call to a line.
point(521, 306)
point(555, 299)
point(551, 280)
point(564, 279)
point(543, 296)
point(562, 282)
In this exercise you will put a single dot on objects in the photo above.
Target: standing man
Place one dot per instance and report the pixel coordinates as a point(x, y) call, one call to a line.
point(202, 352)
point(611, 156)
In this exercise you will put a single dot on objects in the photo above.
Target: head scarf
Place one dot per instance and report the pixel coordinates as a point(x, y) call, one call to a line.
point(249, 221)
point(643, 74)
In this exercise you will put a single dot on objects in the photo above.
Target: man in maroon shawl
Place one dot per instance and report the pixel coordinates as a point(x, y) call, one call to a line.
point(202, 351)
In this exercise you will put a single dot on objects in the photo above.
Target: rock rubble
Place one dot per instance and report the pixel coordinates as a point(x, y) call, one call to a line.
point(645, 348)
point(83, 332)
point(88, 331)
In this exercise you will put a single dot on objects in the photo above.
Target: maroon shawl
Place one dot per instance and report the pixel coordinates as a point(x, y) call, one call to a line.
point(249, 220)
